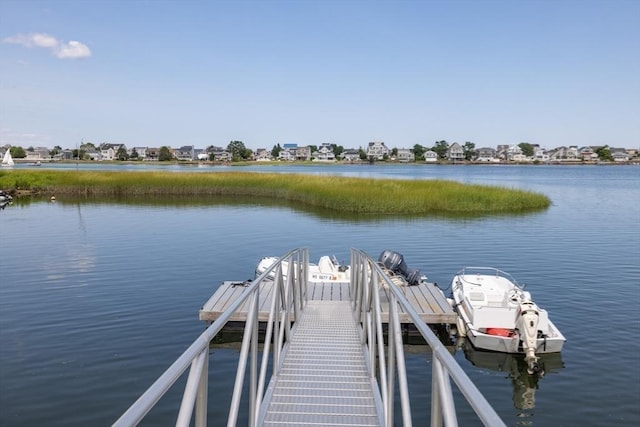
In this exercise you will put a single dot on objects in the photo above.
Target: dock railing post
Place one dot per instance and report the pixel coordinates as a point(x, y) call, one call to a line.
point(203, 390)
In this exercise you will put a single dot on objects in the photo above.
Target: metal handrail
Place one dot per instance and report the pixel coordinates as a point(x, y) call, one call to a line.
point(287, 301)
point(365, 290)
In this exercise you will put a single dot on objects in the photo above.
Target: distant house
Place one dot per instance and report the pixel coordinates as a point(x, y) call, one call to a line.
point(64, 155)
point(619, 155)
point(220, 154)
point(110, 151)
point(587, 154)
point(430, 156)
point(288, 152)
point(486, 155)
point(514, 154)
point(325, 153)
point(39, 153)
point(263, 155)
point(377, 150)
point(141, 151)
point(152, 154)
point(94, 155)
point(185, 153)
point(540, 154)
point(287, 155)
point(564, 154)
point(351, 155)
point(455, 152)
point(303, 153)
point(405, 155)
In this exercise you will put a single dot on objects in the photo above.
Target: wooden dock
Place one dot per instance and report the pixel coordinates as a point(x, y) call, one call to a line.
point(425, 298)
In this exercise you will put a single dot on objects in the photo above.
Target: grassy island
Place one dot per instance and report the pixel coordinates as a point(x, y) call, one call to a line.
point(356, 195)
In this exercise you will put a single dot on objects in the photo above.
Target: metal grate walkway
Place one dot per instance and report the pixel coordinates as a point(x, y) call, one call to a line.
point(324, 380)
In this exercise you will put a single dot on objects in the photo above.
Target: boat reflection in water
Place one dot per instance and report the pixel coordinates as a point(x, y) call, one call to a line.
point(524, 384)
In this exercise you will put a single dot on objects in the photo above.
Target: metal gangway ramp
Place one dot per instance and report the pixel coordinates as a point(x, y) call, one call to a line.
point(327, 361)
point(324, 379)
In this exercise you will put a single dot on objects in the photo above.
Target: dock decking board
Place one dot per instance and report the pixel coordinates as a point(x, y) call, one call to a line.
point(425, 298)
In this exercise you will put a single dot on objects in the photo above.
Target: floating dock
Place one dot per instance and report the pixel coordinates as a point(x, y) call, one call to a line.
point(425, 298)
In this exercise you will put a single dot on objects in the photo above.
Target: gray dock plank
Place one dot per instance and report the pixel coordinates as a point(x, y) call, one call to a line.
point(425, 298)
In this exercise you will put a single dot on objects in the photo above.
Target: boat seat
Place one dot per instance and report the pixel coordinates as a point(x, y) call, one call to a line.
point(476, 296)
point(497, 300)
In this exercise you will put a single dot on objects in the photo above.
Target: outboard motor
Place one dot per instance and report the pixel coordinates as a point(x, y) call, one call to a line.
point(527, 325)
point(395, 262)
point(392, 260)
point(413, 276)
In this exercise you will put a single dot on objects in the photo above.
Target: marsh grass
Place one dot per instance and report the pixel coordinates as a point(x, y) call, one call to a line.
point(357, 195)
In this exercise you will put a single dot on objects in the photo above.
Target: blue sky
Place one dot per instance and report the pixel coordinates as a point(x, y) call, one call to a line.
point(152, 73)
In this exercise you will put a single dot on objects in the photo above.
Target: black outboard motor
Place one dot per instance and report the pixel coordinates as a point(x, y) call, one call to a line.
point(395, 262)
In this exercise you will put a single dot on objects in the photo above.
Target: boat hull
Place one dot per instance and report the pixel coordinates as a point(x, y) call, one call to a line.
point(512, 344)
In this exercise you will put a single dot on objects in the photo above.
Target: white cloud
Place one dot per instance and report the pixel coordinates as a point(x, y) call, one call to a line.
point(71, 50)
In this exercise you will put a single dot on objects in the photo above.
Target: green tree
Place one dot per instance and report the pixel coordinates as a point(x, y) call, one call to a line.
point(337, 151)
point(134, 154)
point(79, 153)
point(313, 148)
point(604, 153)
point(362, 154)
point(56, 150)
point(17, 152)
point(87, 146)
point(441, 148)
point(394, 152)
point(275, 151)
point(238, 151)
point(165, 154)
point(418, 151)
point(122, 153)
point(527, 149)
point(469, 149)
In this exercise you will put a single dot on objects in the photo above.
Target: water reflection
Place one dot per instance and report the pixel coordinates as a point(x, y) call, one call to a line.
point(191, 201)
point(524, 384)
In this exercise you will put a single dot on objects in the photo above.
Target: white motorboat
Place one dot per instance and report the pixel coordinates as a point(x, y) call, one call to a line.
point(497, 314)
point(327, 270)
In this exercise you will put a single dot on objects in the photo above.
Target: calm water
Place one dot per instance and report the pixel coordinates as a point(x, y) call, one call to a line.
point(97, 299)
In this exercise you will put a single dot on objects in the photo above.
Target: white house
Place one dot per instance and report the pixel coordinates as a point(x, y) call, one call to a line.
point(430, 156)
point(455, 152)
point(142, 152)
point(110, 151)
point(263, 155)
point(351, 155)
point(377, 150)
point(325, 153)
point(405, 155)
